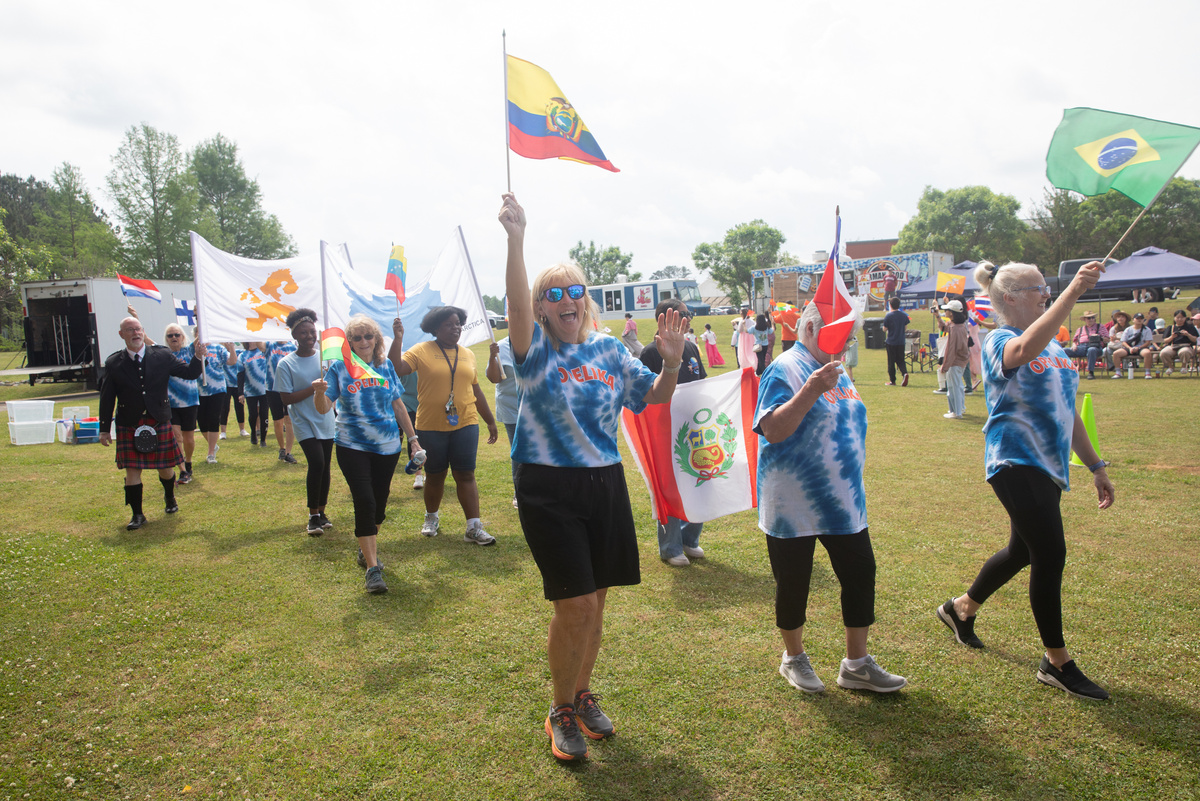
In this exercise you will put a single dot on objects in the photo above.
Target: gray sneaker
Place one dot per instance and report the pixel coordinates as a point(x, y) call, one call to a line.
point(591, 719)
point(430, 527)
point(478, 536)
point(566, 741)
point(362, 560)
point(800, 674)
point(869, 677)
point(375, 580)
point(287, 457)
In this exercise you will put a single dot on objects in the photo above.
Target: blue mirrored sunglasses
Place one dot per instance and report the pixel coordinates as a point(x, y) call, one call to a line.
point(555, 293)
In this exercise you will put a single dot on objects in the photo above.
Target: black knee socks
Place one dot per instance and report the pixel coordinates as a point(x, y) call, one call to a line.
point(168, 488)
point(133, 497)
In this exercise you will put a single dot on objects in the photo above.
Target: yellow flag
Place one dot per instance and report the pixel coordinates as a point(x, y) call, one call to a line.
point(950, 283)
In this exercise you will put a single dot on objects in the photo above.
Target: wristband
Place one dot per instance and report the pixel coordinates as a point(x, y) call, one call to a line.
point(1100, 465)
point(672, 370)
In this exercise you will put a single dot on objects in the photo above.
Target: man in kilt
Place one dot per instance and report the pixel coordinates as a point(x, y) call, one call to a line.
point(135, 379)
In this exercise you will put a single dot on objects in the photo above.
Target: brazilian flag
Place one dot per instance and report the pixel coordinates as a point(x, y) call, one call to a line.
point(1094, 151)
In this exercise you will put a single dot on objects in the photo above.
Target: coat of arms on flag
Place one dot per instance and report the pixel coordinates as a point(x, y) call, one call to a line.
point(705, 445)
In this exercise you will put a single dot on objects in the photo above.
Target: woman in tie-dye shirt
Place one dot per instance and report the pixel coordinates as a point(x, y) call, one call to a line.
point(571, 493)
point(1032, 427)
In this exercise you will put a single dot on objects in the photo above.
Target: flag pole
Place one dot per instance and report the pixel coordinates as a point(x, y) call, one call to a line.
point(507, 157)
point(1127, 230)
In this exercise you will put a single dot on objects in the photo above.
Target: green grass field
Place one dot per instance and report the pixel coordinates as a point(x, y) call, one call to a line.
point(222, 653)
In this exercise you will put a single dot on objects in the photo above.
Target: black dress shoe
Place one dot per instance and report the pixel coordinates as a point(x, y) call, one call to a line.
point(172, 507)
point(137, 522)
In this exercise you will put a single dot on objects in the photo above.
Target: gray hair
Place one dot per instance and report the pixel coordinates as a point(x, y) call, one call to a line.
point(812, 314)
point(996, 282)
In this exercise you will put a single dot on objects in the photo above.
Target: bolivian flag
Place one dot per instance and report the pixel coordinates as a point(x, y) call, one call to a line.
point(1094, 151)
point(542, 124)
point(334, 346)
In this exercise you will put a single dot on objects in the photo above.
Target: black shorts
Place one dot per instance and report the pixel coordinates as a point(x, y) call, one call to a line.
point(579, 527)
point(278, 410)
point(184, 417)
point(209, 412)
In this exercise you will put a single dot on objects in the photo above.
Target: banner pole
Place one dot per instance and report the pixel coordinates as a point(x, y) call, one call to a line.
point(475, 281)
point(507, 157)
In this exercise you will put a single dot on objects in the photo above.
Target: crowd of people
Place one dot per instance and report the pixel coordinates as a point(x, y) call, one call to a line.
point(560, 389)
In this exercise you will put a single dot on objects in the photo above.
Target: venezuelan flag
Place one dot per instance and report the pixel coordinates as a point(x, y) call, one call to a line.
point(542, 124)
point(397, 272)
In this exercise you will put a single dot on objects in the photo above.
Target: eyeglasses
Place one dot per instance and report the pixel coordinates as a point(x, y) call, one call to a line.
point(174, 336)
point(1043, 289)
point(555, 293)
point(369, 336)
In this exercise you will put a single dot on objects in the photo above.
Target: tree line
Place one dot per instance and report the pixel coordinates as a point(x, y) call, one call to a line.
point(57, 230)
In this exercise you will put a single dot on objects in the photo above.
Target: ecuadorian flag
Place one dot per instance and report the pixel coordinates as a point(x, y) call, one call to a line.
point(542, 124)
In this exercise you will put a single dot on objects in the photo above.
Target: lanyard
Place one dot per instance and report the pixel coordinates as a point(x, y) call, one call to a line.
point(453, 368)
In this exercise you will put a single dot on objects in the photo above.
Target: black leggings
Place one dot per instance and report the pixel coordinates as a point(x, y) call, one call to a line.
point(369, 476)
point(319, 455)
point(853, 562)
point(1031, 499)
point(258, 415)
point(231, 397)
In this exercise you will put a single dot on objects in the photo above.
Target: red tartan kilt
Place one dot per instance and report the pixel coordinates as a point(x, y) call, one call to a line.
point(166, 455)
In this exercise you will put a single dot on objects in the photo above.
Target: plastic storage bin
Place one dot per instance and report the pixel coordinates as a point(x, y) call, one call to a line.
point(75, 412)
point(30, 411)
point(34, 432)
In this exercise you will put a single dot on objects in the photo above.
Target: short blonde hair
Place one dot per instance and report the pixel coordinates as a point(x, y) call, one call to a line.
point(360, 324)
point(565, 274)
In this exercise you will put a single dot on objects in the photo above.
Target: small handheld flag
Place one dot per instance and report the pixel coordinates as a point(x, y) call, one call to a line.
point(185, 312)
point(833, 301)
point(1094, 151)
point(950, 283)
point(980, 307)
point(542, 124)
point(139, 288)
point(334, 346)
point(397, 272)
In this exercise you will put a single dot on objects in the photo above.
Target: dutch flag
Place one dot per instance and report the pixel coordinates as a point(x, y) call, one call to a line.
point(139, 288)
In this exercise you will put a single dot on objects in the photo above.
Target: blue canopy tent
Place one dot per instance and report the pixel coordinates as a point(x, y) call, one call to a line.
point(1151, 267)
point(926, 288)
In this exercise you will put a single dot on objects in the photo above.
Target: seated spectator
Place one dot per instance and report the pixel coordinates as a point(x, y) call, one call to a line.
point(1136, 340)
point(1116, 326)
point(1088, 341)
point(1180, 340)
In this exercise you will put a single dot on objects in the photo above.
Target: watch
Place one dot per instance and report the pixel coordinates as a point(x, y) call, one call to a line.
point(1100, 465)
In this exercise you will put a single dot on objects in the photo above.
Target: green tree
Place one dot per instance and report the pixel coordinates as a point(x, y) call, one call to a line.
point(18, 264)
point(747, 247)
point(602, 266)
point(670, 273)
point(494, 304)
point(156, 202)
point(21, 198)
point(234, 202)
point(75, 230)
point(969, 223)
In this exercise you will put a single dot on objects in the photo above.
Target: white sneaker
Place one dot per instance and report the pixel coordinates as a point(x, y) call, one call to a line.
point(419, 481)
point(678, 561)
point(245, 433)
point(1116, 373)
point(1169, 371)
point(799, 673)
point(1148, 375)
point(695, 553)
point(430, 527)
point(515, 504)
point(952, 416)
point(478, 536)
point(212, 458)
point(222, 436)
point(869, 677)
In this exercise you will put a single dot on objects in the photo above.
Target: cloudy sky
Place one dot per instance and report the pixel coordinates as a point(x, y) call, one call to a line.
point(378, 122)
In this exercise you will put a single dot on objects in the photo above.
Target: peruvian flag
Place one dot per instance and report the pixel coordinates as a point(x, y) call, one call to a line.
point(699, 453)
point(833, 300)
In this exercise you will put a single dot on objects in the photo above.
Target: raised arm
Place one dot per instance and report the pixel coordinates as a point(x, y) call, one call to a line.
point(1025, 347)
point(516, 280)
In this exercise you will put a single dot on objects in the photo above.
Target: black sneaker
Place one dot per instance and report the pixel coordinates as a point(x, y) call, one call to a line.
point(325, 521)
point(964, 630)
point(314, 526)
point(591, 719)
point(185, 477)
point(566, 743)
point(1071, 679)
point(375, 582)
point(172, 506)
point(287, 457)
point(136, 522)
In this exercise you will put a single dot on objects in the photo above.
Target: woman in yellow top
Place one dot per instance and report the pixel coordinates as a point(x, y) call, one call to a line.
point(449, 406)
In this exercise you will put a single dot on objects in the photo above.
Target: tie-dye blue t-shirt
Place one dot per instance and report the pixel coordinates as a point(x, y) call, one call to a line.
point(812, 482)
point(254, 364)
point(1031, 410)
point(366, 420)
point(213, 380)
point(231, 370)
point(571, 399)
point(275, 353)
point(183, 392)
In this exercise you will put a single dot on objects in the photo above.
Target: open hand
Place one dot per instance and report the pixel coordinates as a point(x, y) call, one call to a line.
point(670, 341)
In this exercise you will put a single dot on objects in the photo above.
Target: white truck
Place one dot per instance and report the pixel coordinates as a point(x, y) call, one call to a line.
point(71, 325)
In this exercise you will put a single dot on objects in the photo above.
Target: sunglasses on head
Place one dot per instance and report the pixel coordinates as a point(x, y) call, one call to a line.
point(369, 336)
point(555, 293)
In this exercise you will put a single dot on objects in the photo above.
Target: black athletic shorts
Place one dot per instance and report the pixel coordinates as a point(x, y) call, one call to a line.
point(209, 412)
point(184, 417)
point(579, 527)
point(278, 409)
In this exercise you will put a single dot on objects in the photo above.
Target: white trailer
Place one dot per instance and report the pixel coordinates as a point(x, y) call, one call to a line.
point(71, 325)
